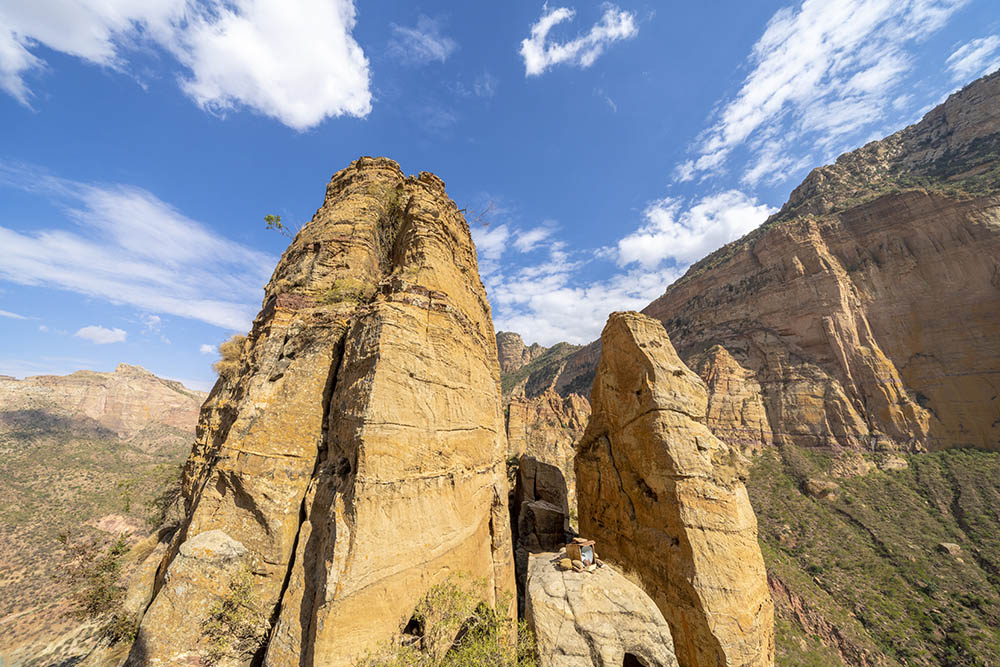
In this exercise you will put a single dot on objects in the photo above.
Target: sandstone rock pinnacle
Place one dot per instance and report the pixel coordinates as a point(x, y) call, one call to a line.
point(663, 497)
point(357, 455)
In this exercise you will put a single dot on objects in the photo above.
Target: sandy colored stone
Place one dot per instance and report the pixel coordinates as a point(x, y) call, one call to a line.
point(663, 497)
point(126, 401)
point(736, 413)
point(593, 619)
point(513, 354)
point(547, 428)
point(358, 452)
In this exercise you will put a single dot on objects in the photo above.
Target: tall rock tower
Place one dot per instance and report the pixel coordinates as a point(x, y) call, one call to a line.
point(663, 497)
point(356, 456)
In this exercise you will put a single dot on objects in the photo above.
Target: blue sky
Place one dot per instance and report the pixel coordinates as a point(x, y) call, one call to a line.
point(143, 141)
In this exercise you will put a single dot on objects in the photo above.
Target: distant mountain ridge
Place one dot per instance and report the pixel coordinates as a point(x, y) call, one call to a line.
point(125, 401)
point(82, 454)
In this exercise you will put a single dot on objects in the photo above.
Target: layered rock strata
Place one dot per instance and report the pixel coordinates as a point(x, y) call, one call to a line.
point(868, 308)
point(513, 354)
point(125, 402)
point(357, 455)
point(664, 498)
point(598, 618)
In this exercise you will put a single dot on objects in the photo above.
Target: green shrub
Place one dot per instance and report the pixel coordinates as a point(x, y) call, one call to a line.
point(350, 290)
point(456, 629)
point(99, 592)
point(237, 625)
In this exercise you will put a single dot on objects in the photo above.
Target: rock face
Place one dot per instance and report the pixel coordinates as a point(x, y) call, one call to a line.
point(546, 428)
point(736, 413)
point(513, 353)
point(125, 402)
point(358, 453)
point(594, 618)
point(868, 308)
point(664, 497)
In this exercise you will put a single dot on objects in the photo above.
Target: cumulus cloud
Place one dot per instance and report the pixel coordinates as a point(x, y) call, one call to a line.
point(101, 335)
point(686, 234)
point(540, 53)
point(551, 300)
point(129, 247)
point(421, 44)
point(821, 73)
point(975, 58)
point(208, 349)
point(294, 61)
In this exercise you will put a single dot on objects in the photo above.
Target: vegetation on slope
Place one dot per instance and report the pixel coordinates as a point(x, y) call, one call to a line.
point(68, 476)
point(540, 370)
point(859, 575)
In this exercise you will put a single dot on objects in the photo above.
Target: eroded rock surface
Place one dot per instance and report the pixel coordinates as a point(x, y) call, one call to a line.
point(126, 402)
point(513, 353)
point(593, 618)
point(358, 452)
point(664, 498)
point(868, 308)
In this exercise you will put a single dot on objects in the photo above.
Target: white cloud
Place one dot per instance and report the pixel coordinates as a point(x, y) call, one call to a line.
point(485, 85)
point(208, 349)
point(528, 239)
point(10, 315)
point(294, 61)
point(550, 301)
point(685, 235)
point(43, 328)
point(131, 248)
point(975, 59)
point(540, 53)
point(101, 335)
point(491, 241)
point(820, 73)
point(421, 44)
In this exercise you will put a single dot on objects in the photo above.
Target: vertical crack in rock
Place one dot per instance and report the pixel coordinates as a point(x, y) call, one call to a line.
point(357, 457)
point(662, 497)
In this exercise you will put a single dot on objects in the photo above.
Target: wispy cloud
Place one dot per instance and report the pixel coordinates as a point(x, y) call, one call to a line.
point(294, 61)
point(975, 58)
point(101, 335)
point(128, 247)
point(552, 299)
point(12, 316)
point(422, 43)
point(540, 53)
point(685, 234)
point(821, 73)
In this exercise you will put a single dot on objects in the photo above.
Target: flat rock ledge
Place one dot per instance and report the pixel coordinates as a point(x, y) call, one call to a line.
point(595, 618)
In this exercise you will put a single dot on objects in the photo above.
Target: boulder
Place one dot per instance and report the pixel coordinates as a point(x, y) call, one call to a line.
point(595, 618)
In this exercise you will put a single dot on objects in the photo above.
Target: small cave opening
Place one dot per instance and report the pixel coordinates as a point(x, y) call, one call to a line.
point(632, 661)
point(413, 631)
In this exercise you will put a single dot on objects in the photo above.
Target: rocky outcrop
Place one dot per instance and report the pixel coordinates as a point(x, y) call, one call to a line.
point(736, 413)
point(546, 428)
point(513, 354)
point(867, 308)
point(357, 455)
point(664, 497)
point(598, 618)
point(125, 402)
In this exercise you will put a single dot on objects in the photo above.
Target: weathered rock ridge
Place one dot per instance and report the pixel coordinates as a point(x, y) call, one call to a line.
point(513, 354)
point(664, 497)
point(867, 310)
point(357, 456)
point(124, 402)
point(582, 618)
